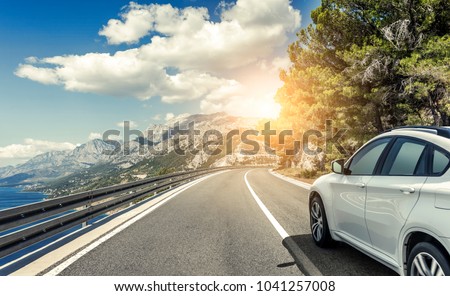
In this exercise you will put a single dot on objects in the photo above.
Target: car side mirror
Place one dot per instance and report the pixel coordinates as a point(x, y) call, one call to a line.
point(337, 166)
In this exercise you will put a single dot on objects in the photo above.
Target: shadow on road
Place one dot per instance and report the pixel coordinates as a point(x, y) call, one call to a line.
point(340, 260)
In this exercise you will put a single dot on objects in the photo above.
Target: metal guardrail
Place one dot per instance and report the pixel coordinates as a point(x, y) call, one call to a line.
point(38, 221)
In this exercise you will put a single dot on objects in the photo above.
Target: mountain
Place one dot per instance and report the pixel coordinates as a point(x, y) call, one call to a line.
point(89, 166)
point(5, 170)
point(222, 123)
point(15, 180)
point(56, 164)
point(91, 153)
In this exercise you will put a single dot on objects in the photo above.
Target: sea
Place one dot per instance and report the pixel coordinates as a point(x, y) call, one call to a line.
point(14, 196)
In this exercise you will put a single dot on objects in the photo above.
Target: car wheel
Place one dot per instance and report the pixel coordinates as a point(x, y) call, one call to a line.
point(427, 260)
point(319, 224)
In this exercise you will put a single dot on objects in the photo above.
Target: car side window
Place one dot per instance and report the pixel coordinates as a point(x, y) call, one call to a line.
point(364, 162)
point(406, 158)
point(440, 162)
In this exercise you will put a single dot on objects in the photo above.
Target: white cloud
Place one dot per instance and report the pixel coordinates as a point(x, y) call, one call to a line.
point(169, 116)
point(41, 75)
point(156, 117)
point(275, 64)
point(135, 23)
point(172, 118)
point(31, 60)
point(281, 62)
point(190, 85)
point(93, 136)
point(262, 105)
point(132, 124)
point(31, 148)
point(138, 20)
point(263, 13)
point(207, 57)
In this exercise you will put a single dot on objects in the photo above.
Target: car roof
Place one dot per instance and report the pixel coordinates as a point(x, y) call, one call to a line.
point(443, 131)
point(436, 135)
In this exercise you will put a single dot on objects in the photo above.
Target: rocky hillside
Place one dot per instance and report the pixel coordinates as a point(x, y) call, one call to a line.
point(88, 166)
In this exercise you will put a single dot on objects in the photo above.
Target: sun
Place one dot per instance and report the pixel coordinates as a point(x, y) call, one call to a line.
point(255, 107)
point(268, 109)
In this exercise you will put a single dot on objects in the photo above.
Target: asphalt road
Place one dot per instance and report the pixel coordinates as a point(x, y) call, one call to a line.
point(217, 228)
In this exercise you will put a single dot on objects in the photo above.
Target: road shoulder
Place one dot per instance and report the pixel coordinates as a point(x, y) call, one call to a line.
point(290, 180)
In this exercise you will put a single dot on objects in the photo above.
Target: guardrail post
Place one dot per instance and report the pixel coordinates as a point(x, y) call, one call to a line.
point(89, 204)
point(84, 224)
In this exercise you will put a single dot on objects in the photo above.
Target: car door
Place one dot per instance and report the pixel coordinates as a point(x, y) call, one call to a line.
point(393, 192)
point(349, 192)
point(437, 186)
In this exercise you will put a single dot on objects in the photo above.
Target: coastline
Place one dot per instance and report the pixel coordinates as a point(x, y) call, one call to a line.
point(15, 196)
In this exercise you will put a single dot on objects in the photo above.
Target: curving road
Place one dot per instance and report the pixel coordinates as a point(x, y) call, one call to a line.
point(217, 228)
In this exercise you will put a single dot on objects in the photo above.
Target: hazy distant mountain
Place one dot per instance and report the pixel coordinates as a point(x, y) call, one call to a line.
point(4, 170)
point(88, 166)
point(90, 153)
point(56, 164)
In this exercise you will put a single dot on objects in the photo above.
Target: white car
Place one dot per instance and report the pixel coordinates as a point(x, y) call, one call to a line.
point(391, 201)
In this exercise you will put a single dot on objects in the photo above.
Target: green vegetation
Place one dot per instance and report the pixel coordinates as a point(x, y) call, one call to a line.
point(369, 65)
point(103, 175)
point(304, 175)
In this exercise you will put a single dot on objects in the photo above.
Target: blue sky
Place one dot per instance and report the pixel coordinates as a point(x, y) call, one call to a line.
point(43, 109)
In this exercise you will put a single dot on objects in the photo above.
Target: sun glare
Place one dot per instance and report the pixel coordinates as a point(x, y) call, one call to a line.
point(268, 109)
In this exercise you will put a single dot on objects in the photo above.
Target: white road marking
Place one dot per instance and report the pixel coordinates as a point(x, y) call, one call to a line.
point(304, 263)
point(58, 269)
point(266, 212)
point(290, 180)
